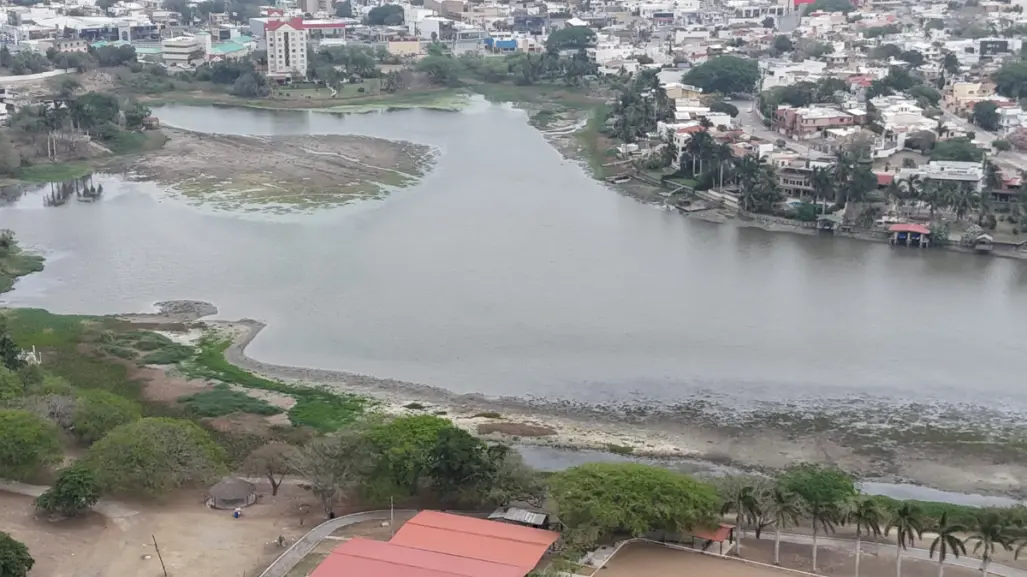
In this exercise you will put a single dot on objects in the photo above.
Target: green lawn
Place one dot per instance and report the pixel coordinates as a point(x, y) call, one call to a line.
point(54, 172)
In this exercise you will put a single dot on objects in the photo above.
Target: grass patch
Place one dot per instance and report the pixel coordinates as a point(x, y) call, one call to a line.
point(593, 141)
point(119, 351)
point(567, 96)
point(619, 449)
point(54, 172)
point(126, 142)
point(318, 408)
point(169, 355)
point(16, 264)
point(222, 400)
point(487, 415)
point(58, 336)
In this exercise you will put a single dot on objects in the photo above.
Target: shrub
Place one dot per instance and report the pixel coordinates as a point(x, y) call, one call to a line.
point(74, 492)
point(98, 412)
point(27, 444)
point(169, 355)
point(222, 400)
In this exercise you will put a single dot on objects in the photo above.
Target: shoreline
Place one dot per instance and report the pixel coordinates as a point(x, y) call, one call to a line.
point(944, 460)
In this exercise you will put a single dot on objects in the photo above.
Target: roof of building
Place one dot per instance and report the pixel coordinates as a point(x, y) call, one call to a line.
point(717, 535)
point(884, 179)
point(226, 48)
point(232, 488)
point(518, 515)
point(295, 23)
point(909, 227)
point(476, 539)
point(367, 558)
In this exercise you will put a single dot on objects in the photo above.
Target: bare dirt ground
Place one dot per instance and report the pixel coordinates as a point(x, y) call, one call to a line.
point(653, 560)
point(193, 539)
point(284, 172)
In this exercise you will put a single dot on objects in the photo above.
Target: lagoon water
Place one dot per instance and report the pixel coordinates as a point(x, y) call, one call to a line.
point(509, 272)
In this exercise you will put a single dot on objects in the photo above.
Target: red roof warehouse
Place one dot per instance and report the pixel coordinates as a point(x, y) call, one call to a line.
point(435, 544)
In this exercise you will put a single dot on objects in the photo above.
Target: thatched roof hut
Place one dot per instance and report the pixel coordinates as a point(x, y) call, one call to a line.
point(231, 492)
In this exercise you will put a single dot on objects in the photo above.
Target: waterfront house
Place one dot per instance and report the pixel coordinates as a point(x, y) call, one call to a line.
point(908, 234)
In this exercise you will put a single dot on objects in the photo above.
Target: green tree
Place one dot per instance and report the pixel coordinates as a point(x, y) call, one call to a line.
point(990, 533)
point(385, 15)
point(10, 158)
point(924, 94)
point(135, 114)
point(1001, 146)
point(460, 464)
point(947, 542)
point(11, 386)
point(783, 43)
point(950, 62)
point(98, 412)
point(93, 110)
point(907, 521)
point(824, 489)
point(784, 509)
point(15, 560)
point(867, 515)
point(1011, 79)
point(913, 58)
point(830, 6)
point(404, 448)
point(985, 115)
point(724, 107)
point(571, 38)
point(344, 9)
point(73, 493)
point(599, 500)
point(768, 22)
point(441, 70)
point(960, 149)
point(154, 456)
point(724, 74)
point(27, 444)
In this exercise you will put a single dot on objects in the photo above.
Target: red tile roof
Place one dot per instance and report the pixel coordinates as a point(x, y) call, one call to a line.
point(908, 227)
point(295, 23)
point(366, 558)
point(717, 535)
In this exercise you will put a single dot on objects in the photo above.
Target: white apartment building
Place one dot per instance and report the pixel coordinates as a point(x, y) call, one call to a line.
point(286, 48)
point(948, 170)
point(181, 50)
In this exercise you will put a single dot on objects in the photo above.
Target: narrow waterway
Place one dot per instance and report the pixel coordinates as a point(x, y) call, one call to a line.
point(509, 272)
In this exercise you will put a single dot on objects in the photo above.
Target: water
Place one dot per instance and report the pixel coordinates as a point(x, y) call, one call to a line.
point(508, 271)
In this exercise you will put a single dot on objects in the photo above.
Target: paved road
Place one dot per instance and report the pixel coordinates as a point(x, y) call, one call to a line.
point(1017, 160)
point(922, 554)
point(105, 507)
point(751, 122)
point(286, 561)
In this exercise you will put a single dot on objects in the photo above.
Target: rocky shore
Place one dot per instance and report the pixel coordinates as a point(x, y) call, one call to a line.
point(965, 449)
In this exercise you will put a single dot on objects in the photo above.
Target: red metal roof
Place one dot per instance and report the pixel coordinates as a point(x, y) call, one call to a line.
point(366, 558)
point(476, 538)
point(718, 535)
point(884, 179)
point(909, 227)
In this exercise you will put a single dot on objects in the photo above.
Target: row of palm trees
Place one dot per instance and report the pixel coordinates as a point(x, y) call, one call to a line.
point(759, 504)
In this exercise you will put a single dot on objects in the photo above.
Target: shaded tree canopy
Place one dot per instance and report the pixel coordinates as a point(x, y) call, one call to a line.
point(98, 412)
point(985, 115)
point(27, 443)
point(15, 560)
point(1011, 79)
point(73, 493)
point(386, 15)
point(724, 74)
point(600, 500)
point(153, 456)
point(572, 37)
point(959, 149)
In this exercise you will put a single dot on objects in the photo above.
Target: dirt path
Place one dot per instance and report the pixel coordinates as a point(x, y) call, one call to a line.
point(281, 171)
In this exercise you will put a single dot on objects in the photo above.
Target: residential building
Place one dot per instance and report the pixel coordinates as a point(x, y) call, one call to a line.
point(811, 121)
point(286, 48)
point(948, 171)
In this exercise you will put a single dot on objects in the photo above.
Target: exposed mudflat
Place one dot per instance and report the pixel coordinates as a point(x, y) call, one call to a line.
point(280, 173)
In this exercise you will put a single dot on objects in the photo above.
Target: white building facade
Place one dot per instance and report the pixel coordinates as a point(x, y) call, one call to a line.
point(286, 48)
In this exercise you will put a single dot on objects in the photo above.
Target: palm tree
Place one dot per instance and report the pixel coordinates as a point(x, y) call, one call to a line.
point(822, 181)
point(699, 148)
point(907, 521)
point(785, 509)
point(740, 498)
point(723, 156)
point(963, 199)
point(947, 542)
point(989, 533)
point(866, 514)
point(824, 517)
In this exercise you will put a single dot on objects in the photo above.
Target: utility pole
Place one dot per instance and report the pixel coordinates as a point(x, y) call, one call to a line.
point(159, 555)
